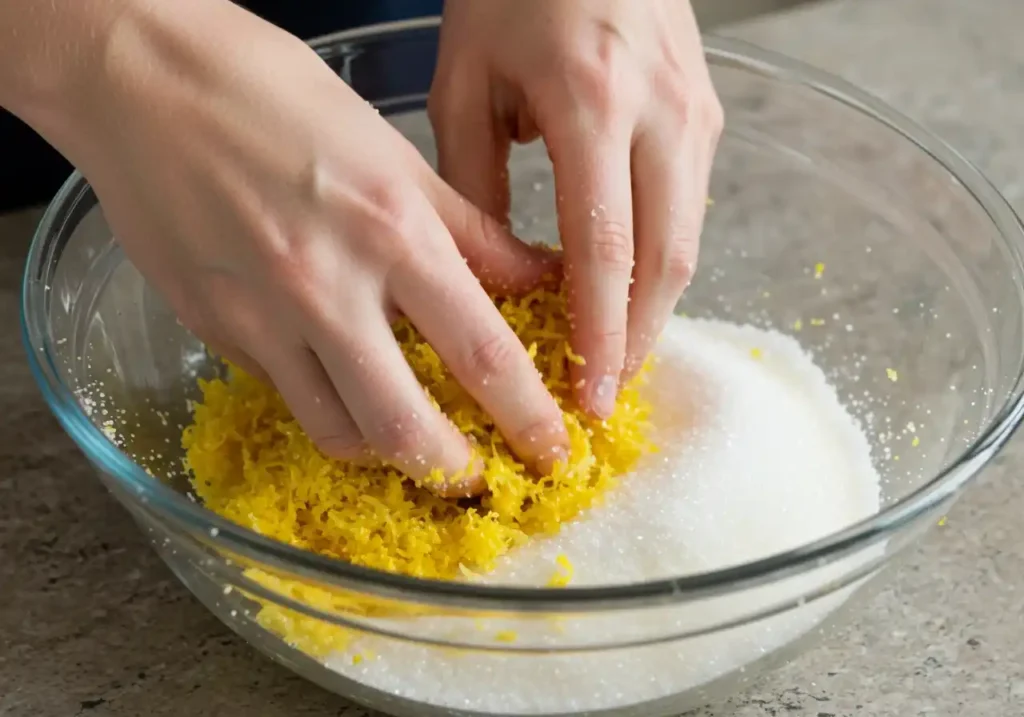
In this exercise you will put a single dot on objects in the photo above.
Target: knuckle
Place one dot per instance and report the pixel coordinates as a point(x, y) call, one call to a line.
point(388, 222)
point(674, 92)
point(477, 225)
point(604, 82)
point(311, 302)
point(690, 102)
point(713, 115)
point(302, 275)
point(400, 437)
point(592, 87)
point(341, 447)
point(611, 337)
point(546, 430)
point(387, 204)
point(493, 355)
point(678, 259)
point(320, 182)
point(289, 257)
point(486, 239)
point(488, 230)
point(611, 246)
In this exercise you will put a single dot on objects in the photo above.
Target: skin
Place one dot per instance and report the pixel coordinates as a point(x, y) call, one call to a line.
point(620, 94)
point(289, 246)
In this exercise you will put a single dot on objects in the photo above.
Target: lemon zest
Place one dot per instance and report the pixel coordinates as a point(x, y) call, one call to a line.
point(252, 463)
point(563, 573)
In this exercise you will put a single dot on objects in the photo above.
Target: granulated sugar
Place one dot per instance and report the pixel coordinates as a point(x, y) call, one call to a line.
point(757, 456)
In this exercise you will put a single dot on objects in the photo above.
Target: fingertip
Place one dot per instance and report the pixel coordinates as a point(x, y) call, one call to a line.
point(598, 377)
point(548, 462)
point(466, 482)
point(458, 469)
point(544, 443)
point(602, 393)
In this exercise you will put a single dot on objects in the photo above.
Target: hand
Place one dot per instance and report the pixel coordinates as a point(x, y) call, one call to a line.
point(287, 224)
point(620, 93)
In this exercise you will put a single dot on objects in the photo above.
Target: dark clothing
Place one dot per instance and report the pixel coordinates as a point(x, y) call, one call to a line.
point(31, 171)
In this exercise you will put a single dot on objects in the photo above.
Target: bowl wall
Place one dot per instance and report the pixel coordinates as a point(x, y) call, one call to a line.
point(827, 223)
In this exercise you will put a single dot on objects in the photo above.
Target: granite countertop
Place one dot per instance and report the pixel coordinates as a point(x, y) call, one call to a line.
point(92, 623)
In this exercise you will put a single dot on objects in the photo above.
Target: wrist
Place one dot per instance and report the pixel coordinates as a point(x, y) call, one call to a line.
point(78, 70)
point(50, 55)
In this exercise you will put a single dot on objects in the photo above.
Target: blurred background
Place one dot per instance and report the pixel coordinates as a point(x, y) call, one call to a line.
point(32, 170)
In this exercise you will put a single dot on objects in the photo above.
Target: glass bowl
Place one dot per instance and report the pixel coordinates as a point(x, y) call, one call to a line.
point(924, 280)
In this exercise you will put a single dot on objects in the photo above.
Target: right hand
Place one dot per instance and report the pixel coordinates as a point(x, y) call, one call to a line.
point(287, 224)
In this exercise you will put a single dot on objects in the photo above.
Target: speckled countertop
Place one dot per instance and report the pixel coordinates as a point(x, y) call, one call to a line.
point(92, 623)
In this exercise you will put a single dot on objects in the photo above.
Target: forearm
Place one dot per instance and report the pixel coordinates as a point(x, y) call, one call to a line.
point(47, 52)
point(75, 71)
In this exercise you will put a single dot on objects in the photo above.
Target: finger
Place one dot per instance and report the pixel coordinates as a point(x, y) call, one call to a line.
point(472, 155)
point(304, 385)
point(236, 357)
point(219, 345)
point(484, 355)
point(595, 211)
point(298, 377)
point(390, 406)
point(502, 263)
point(670, 179)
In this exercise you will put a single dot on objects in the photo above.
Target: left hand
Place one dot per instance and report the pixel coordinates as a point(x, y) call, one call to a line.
point(620, 93)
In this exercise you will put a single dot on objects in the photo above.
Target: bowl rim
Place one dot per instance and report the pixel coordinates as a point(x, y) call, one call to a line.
point(142, 492)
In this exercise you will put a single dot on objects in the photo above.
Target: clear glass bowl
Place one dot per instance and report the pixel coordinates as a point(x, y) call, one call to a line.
point(924, 276)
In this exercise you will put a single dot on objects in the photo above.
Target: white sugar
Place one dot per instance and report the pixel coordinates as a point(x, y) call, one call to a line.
point(757, 456)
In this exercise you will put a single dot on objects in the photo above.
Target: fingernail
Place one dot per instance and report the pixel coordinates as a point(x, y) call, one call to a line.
point(545, 464)
point(603, 395)
point(464, 483)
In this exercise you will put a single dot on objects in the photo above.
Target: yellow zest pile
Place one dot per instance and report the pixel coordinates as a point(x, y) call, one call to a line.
point(252, 463)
